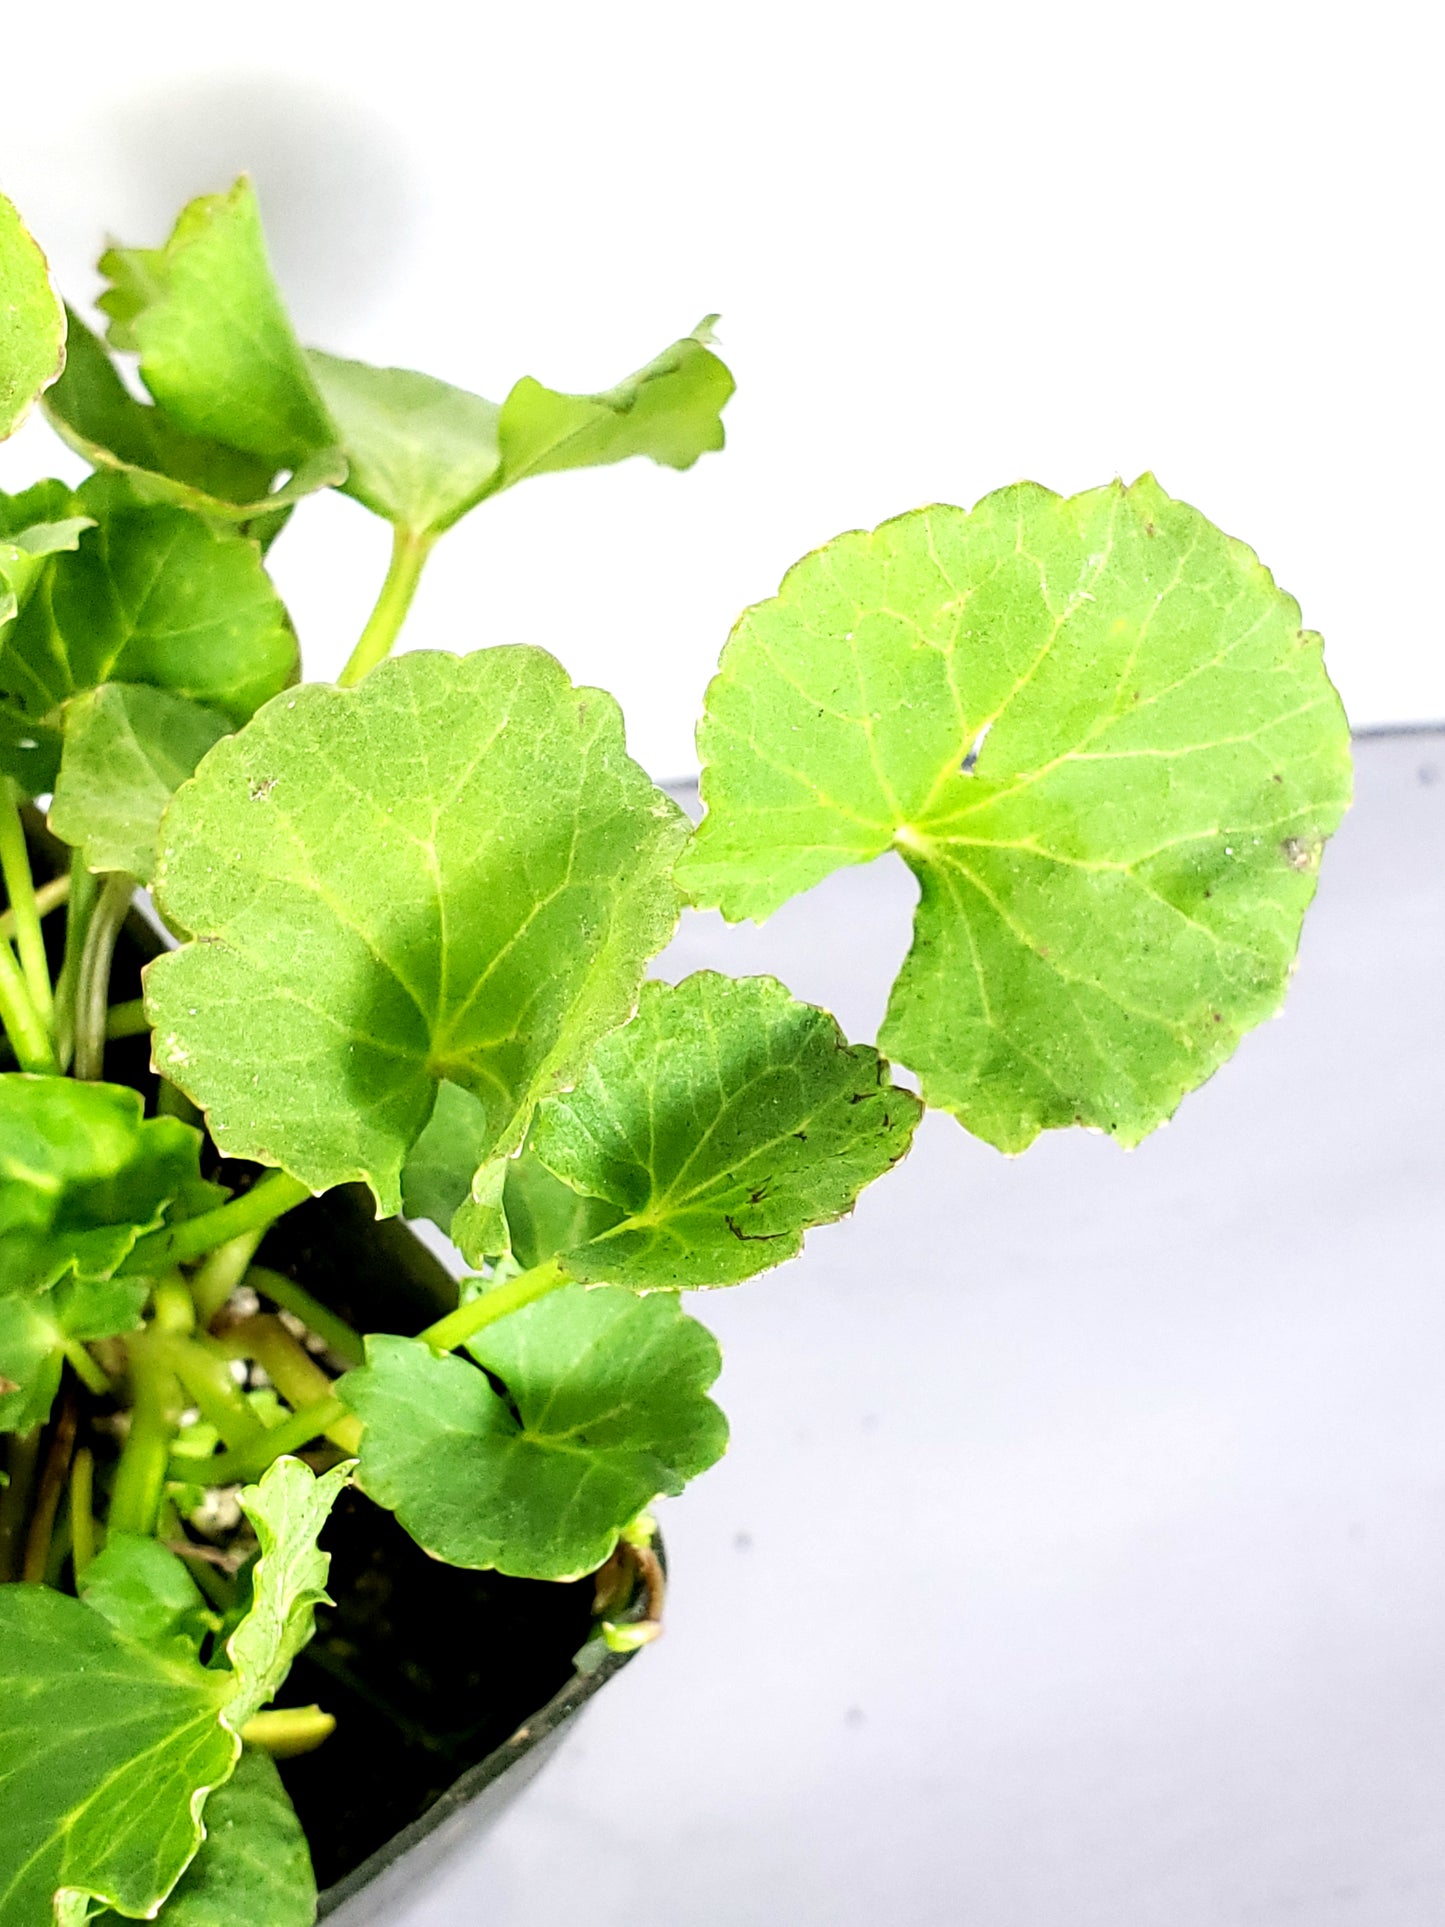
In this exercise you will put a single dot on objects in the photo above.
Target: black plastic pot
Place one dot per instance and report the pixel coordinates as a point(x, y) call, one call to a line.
point(411, 1859)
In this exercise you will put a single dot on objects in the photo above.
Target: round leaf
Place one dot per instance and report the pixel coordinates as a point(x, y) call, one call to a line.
point(605, 1407)
point(722, 1123)
point(1099, 737)
point(153, 595)
point(451, 872)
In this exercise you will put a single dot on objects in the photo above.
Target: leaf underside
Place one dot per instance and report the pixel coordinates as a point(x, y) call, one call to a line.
point(1097, 734)
point(605, 1406)
point(452, 872)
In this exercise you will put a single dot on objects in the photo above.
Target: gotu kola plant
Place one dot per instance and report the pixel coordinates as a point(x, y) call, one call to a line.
point(413, 915)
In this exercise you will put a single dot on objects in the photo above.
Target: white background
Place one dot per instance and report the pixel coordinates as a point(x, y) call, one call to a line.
point(952, 245)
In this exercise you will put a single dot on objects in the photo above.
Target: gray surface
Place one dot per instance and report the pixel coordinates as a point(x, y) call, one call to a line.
point(1080, 1558)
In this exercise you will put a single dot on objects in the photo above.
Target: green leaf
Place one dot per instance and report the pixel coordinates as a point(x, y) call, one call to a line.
point(436, 1179)
point(452, 872)
point(605, 1407)
point(83, 1175)
point(95, 413)
point(1099, 737)
point(668, 410)
point(722, 1123)
point(156, 596)
point(547, 1217)
point(254, 1867)
point(419, 452)
point(33, 527)
point(216, 347)
point(88, 1309)
point(34, 1331)
point(422, 453)
point(108, 1746)
point(127, 750)
point(107, 1750)
point(288, 1582)
point(32, 323)
point(30, 1361)
point(145, 1592)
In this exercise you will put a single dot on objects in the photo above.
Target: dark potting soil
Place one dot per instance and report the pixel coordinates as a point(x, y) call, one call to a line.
point(427, 1669)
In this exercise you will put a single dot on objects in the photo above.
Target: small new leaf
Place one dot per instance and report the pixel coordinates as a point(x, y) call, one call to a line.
point(1097, 734)
point(605, 1406)
point(725, 1120)
point(127, 750)
point(288, 1582)
point(32, 323)
point(422, 453)
point(419, 452)
point(452, 872)
point(83, 1175)
point(216, 346)
point(670, 410)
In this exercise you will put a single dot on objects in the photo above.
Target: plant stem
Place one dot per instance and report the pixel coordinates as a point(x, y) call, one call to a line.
point(408, 554)
point(206, 1376)
point(92, 992)
point(20, 888)
point(127, 1020)
point(294, 1298)
point(214, 1281)
point(239, 1468)
point(467, 1320)
point(82, 1512)
point(275, 1194)
point(140, 1477)
point(85, 1367)
point(28, 1036)
point(291, 1369)
point(47, 1499)
point(48, 897)
point(83, 892)
point(286, 1731)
